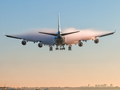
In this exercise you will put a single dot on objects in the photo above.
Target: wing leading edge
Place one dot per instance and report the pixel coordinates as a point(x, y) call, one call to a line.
point(106, 34)
point(13, 36)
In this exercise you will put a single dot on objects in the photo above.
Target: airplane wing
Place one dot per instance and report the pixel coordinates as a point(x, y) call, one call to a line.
point(13, 36)
point(33, 37)
point(85, 35)
point(106, 34)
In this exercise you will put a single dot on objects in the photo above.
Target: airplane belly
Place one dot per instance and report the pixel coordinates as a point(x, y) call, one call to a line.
point(69, 40)
point(48, 40)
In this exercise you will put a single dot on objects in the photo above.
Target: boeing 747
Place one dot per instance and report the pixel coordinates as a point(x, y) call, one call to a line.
point(60, 39)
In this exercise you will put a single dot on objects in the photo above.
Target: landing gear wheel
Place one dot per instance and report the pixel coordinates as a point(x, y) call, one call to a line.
point(96, 41)
point(63, 48)
point(69, 48)
point(51, 48)
point(57, 48)
point(80, 44)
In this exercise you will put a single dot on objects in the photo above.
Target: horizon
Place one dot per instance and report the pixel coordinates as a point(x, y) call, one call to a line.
point(96, 85)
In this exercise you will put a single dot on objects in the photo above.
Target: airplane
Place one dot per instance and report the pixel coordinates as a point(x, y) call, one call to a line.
point(60, 39)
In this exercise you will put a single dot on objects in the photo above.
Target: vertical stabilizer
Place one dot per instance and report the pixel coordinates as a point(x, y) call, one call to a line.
point(59, 29)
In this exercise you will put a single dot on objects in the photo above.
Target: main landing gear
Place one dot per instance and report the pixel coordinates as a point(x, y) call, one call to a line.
point(61, 47)
point(51, 48)
point(69, 48)
point(57, 47)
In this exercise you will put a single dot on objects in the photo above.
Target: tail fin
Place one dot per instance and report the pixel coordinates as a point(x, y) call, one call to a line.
point(59, 29)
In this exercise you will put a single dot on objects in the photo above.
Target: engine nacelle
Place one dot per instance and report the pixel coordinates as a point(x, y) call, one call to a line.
point(96, 41)
point(80, 44)
point(40, 45)
point(23, 42)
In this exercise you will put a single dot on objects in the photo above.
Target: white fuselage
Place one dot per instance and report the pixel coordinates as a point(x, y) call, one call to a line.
point(68, 39)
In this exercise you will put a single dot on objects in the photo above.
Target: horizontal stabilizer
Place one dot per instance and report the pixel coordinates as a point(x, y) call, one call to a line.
point(63, 34)
point(48, 33)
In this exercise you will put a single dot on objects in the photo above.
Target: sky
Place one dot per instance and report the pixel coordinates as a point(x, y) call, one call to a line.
point(31, 66)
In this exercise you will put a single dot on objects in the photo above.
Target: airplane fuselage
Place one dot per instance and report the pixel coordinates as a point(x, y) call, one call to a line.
point(59, 40)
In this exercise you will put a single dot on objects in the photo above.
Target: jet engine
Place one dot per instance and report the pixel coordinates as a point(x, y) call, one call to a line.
point(96, 41)
point(40, 45)
point(80, 44)
point(23, 42)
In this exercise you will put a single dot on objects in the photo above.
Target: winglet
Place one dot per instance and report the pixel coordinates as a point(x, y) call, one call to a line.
point(115, 31)
point(4, 34)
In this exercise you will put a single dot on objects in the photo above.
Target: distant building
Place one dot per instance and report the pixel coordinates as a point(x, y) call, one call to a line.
point(88, 85)
point(102, 85)
point(0, 88)
point(96, 85)
point(111, 85)
point(46, 89)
